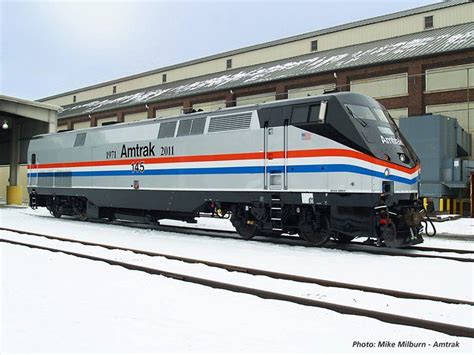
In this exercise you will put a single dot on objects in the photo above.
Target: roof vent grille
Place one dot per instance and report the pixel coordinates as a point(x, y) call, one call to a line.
point(230, 122)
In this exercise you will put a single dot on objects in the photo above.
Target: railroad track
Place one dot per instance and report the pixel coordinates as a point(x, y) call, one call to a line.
point(440, 250)
point(412, 252)
point(294, 241)
point(450, 329)
point(253, 271)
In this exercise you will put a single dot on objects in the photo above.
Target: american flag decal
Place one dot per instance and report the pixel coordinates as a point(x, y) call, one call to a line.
point(306, 136)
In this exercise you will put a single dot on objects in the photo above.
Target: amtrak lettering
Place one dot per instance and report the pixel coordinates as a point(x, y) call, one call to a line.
point(138, 151)
point(390, 140)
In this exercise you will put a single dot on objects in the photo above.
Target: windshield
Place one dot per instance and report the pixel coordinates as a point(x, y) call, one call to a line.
point(367, 113)
point(381, 115)
point(362, 112)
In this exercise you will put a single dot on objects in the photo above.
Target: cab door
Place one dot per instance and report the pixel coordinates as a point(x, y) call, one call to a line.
point(275, 157)
point(33, 171)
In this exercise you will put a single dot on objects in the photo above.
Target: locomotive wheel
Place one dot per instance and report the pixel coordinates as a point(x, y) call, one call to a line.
point(82, 216)
point(246, 231)
point(316, 237)
point(388, 234)
point(56, 213)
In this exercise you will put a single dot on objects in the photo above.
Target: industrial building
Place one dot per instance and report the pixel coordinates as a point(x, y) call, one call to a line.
point(20, 120)
point(414, 62)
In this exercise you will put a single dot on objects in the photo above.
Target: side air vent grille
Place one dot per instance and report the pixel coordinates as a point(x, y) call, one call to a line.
point(45, 180)
point(63, 179)
point(230, 122)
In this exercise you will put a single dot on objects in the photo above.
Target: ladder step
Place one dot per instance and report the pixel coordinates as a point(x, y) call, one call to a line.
point(276, 213)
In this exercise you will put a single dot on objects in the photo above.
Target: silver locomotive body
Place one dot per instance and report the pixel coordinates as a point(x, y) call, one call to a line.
point(330, 166)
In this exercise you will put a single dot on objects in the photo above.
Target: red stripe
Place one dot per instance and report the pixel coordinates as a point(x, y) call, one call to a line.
point(229, 157)
point(155, 160)
point(349, 154)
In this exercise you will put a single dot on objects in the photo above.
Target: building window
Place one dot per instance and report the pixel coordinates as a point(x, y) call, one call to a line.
point(74, 98)
point(114, 89)
point(428, 22)
point(163, 78)
point(228, 64)
point(314, 46)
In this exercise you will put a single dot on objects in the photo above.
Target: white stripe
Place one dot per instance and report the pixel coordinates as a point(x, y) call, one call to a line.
point(240, 163)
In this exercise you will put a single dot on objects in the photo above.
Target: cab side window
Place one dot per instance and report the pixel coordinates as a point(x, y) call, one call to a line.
point(299, 114)
point(314, 113)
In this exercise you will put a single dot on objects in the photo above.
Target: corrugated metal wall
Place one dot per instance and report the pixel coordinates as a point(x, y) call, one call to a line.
point(168, 112)
point(449, 78)
point(309, 91)
point(255, 99)
point(80, 125)
point(210, 106)
point(458, 110)
point(131, 117)
point(382, 86)
point(396, 113)
point(101, 121)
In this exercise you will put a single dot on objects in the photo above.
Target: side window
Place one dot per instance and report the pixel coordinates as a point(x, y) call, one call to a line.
point(184, 127)
point(33, 159)
point(167, 129)
point(299, 114)
point(314, 113)
point(198, 125)
point(80, 139)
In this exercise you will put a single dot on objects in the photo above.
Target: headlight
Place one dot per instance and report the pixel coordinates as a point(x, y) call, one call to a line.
point(403, 158)
point(386, 172)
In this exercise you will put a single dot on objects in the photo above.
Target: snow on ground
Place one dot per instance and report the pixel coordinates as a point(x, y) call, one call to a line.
point(440, 312)
point(69, 304)
point(408, 274)
point(463, 226)
point(57, 303)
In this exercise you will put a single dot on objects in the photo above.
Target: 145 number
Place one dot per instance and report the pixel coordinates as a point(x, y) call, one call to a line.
point(138, 167)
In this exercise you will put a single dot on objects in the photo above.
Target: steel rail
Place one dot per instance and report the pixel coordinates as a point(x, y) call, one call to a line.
point(440, 250)
point(257, 272)
point(293, 241)
point(352, 247)
point(449, 329)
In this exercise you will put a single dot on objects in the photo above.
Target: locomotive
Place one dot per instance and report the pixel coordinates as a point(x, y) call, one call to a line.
point(333, 166)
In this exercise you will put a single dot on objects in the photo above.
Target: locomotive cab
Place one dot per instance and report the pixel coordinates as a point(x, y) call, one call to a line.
point(397, 214)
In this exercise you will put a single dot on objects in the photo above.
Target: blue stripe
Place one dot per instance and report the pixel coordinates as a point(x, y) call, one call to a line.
point(326, 168)
point(338, 168)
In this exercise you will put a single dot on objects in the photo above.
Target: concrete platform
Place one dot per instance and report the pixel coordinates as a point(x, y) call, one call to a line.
point(3, 204)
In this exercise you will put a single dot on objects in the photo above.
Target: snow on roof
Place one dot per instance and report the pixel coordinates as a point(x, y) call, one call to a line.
point(420, 44)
